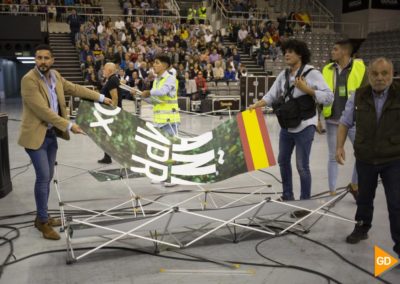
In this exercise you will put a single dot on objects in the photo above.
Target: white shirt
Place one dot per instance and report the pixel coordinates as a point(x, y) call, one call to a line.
point(314, 79)
point(119, 25)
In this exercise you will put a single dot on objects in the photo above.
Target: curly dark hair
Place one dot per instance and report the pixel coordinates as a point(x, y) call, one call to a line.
point(299, 47)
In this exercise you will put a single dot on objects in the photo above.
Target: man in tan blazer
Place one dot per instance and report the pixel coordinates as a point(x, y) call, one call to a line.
point(44, 117)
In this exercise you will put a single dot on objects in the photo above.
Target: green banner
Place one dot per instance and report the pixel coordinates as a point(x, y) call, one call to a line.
point(139, 146)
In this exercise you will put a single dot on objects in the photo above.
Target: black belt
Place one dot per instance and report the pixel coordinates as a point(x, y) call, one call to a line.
point(51, 131)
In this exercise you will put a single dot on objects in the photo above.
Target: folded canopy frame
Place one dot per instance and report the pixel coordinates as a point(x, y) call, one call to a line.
point(174, 223)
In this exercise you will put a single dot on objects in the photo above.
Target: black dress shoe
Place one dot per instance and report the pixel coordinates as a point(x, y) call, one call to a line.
point(104, 161)
point(359, 233)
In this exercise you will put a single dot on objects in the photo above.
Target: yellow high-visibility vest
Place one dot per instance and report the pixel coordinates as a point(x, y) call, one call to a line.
point(202, 13)
point(167, 111)
point(354, 80)
point(191, 13)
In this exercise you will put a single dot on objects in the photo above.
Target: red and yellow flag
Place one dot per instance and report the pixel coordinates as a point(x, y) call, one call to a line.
point(255, 140)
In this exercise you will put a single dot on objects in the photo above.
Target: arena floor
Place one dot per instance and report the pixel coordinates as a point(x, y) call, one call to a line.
point(282, 259)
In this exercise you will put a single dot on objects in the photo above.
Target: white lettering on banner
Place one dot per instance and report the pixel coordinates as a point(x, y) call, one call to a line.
point(154, 134)
point(151, 145)
point(192, 168)
point(148, 165)
point(192, 143)
point(102, 122)
point(158, 149)
point(221, 156)
point(109, 112)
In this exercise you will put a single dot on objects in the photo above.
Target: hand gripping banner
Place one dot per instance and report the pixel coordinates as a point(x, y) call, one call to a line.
point(236, 146)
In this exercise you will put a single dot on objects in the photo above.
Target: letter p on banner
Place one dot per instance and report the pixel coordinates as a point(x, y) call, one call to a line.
point(383, 261)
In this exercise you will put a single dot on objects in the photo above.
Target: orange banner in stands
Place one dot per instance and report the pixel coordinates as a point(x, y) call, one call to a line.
point(255, 140)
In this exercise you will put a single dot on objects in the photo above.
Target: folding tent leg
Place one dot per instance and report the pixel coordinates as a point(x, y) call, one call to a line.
point(60, 203)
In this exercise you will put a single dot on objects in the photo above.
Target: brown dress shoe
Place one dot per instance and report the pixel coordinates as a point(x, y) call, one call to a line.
point(47, 231)
point(54, 222)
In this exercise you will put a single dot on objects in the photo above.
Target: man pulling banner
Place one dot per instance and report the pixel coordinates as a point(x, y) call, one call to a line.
point(237, 146)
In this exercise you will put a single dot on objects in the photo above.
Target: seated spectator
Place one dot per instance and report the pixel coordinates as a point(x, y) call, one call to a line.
point(218, 37)
point(119, 56)
point(136, 82)
point(208, 36)
point(208, 73)
point(242, 34)
point(230, 75)
point(236, 57)
point(94, 39)
point(109, 56)
point(214, 56)
point(97, 51)
point(143, 70)
point(129, 70)
point(83, 56)
point(190, 86)
point(100, 28)
point(273, 51)
point(123, 79)
point(201, 85)
point(99, 62)
point(218, 71)
point(242, 72)
point(91, 77)
point(89, 63)
point(119, 24)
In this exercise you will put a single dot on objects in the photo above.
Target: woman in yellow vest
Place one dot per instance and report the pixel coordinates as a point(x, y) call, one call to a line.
point(164, 96)
point(343, 76)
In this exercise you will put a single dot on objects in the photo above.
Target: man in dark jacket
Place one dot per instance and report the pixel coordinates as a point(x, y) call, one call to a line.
point(375, 110)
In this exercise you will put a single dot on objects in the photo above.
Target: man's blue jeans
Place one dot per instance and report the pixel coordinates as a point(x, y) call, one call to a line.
point(331, 133)
point(368, 175)
point(43, 160)
point(302, 141)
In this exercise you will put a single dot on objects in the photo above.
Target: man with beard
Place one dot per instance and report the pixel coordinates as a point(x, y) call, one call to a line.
point(44, 117)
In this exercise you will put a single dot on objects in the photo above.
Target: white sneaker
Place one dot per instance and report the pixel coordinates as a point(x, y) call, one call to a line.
point(169, 184)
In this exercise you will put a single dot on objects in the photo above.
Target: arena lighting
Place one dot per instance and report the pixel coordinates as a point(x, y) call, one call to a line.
point(28, 61)
point(25, 58)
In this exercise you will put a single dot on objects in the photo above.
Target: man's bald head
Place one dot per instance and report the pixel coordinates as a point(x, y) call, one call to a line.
point(109, 69)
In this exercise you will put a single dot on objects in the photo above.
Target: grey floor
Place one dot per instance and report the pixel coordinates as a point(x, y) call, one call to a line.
point(120, 266)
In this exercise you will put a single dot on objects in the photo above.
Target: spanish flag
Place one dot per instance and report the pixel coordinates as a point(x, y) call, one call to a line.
point(255, 140)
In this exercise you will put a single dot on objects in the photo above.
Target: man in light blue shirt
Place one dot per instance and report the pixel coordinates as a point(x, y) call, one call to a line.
point(297, 57)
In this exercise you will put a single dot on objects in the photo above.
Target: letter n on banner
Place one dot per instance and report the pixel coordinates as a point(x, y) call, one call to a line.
point(255, 140)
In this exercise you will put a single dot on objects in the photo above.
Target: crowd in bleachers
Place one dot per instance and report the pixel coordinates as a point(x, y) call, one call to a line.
point(145, 7)
point(53, 8)
point(197, 53)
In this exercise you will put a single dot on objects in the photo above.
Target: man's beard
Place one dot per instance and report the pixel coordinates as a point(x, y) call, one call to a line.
point(44, 69)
